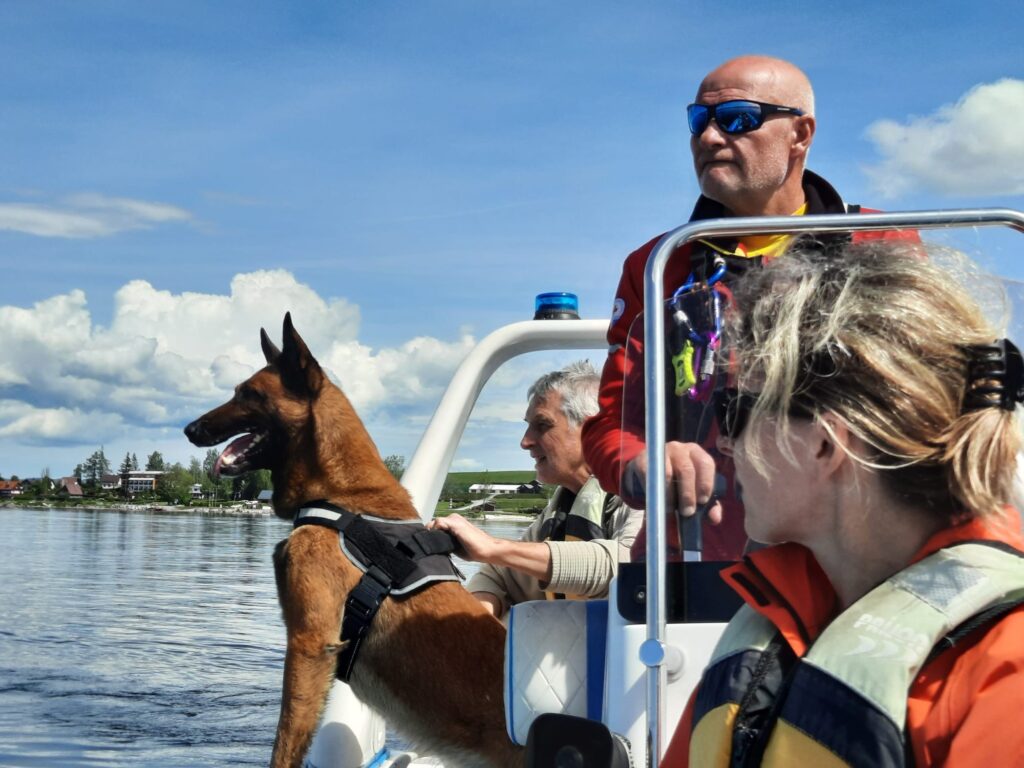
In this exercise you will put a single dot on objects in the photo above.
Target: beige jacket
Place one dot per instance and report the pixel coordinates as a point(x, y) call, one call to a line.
point(582, 568)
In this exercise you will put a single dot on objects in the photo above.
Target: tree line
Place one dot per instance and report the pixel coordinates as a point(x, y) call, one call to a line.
point(176, 482)
point(174, 486)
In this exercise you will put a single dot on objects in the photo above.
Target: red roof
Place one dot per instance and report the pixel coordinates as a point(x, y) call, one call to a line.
point(70, 485)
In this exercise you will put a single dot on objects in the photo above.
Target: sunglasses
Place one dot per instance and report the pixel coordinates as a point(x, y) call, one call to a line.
point(734, 117)
point(732, 411)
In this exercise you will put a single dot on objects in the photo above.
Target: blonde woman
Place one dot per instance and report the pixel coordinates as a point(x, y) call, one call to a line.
point(874, 434)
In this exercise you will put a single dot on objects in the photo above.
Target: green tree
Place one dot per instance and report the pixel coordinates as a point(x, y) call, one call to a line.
point(395, 465)
point(175, 485)
point(126, 465)
point(135, 463)
point(196, 470)
point(254, 482)
point(41, 488)
point(94, 468)
point(209, 462)
point(155, 462)
point(221, 487)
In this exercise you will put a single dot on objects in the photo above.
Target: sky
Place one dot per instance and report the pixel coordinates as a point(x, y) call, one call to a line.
point(404, 177)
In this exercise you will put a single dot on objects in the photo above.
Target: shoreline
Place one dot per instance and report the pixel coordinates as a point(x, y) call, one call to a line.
point(158, 509)
point(237, 510)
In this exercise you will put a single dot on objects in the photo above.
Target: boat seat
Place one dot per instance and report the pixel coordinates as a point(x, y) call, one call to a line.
point(554, 661)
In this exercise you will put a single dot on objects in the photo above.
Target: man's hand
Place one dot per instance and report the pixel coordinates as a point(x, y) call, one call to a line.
point(689, 480)
point(530, 557)
point(476, 545)
point(491, 603)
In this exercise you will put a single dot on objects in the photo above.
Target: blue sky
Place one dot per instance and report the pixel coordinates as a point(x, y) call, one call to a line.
point(405, 177)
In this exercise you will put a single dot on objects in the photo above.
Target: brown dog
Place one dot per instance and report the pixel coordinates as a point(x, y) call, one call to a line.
point(432, 661)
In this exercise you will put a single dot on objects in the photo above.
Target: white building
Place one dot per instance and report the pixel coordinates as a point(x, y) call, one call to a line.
point(502, 489)
point(141, 480)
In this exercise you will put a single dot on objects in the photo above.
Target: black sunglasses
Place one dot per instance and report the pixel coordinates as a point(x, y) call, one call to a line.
point(734, 117)
point(732, 411)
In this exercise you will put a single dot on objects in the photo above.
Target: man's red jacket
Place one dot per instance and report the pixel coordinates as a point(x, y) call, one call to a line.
point(608, 443)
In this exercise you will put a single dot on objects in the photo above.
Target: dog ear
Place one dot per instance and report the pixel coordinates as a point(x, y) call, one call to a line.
point(300, 371)
point(270, 352)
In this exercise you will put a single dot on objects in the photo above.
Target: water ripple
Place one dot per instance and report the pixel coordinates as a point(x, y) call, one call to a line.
point(137, 639)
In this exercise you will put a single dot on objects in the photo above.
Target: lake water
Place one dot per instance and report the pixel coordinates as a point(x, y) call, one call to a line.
point(141, 639)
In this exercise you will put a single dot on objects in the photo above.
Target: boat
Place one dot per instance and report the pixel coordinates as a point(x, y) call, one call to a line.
point(617, 695)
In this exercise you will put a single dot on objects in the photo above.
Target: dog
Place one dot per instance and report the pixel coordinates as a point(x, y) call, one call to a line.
point(432, 661)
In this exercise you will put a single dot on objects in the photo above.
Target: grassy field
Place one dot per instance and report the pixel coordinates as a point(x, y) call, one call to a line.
point(487, 476)
point(457, 484)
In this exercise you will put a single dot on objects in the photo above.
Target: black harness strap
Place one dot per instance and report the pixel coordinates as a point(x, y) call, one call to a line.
point(426, 543)
point(360, 609)
point(388, 562)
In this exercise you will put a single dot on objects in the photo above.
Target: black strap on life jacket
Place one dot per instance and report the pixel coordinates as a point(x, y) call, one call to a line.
point(391, 555)
point(987, 618)
point(990, 616)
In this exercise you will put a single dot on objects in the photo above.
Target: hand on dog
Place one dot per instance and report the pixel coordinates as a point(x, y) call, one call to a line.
point(474, 544)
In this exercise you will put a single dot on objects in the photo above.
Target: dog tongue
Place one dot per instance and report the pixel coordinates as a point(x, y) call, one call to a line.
point(230, 454)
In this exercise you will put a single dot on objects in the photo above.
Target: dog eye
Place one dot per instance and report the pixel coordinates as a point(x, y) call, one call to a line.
point(250, 394)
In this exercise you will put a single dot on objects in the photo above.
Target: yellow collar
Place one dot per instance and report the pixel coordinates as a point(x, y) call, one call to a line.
point(763, 246)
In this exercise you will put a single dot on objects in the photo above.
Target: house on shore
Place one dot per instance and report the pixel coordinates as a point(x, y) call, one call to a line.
point(68, 486)
point(503, 489)
point(140, 480)
point(9, 488)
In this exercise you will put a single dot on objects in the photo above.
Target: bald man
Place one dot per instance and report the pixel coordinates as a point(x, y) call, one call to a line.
point(751, 125)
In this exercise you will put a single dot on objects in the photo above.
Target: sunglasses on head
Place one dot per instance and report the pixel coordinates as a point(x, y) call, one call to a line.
point(732, 411)
point(734, 117)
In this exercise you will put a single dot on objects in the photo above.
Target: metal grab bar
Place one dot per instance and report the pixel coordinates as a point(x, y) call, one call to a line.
point(654, 650)
point(425, 475)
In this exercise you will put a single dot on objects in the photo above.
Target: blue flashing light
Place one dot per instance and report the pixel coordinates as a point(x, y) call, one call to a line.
point(556, 305)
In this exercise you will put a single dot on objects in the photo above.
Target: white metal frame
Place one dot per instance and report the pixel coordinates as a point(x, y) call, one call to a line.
point(655, 650)
point(424, 477)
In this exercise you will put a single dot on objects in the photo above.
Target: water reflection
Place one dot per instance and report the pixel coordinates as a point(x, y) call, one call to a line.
point(141, 639)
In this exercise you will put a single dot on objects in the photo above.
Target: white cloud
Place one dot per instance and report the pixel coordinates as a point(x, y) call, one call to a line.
point(39, 426)
point(166, 358)
point(416, 371)
point(972, 148)
point(87, 215)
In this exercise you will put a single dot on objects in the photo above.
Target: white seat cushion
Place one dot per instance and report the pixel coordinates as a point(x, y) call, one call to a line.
point(554, 661)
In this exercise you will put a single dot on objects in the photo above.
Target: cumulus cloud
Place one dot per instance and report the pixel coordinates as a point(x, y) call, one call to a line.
point(28, 425)
point(87, 216)
point(165, 358)
point(972, 148)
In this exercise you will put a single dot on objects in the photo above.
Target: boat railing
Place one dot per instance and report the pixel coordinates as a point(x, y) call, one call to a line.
point(424, 476)
point(654, 650)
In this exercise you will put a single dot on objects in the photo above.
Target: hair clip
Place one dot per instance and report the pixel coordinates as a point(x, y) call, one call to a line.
point(995, 376)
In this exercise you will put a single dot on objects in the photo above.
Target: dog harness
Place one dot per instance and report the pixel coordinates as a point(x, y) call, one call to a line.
point(845, 702)
point(397, 557)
